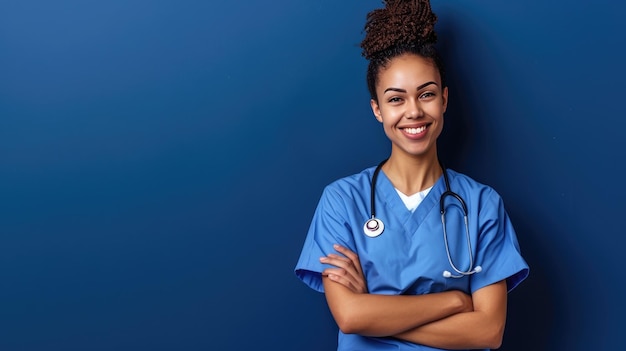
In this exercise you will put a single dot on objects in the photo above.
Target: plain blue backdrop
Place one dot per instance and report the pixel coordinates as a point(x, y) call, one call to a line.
point(160, 162)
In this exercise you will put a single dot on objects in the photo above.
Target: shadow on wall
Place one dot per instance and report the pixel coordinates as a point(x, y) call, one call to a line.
point(535, 304)
point(463, 145)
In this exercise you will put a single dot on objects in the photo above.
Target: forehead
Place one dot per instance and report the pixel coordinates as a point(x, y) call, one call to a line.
point(408, 70)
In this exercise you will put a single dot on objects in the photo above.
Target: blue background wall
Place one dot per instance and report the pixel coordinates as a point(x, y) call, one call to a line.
point(160, 162)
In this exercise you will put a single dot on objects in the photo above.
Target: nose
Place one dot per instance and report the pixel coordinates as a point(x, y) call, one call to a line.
point(413, 109)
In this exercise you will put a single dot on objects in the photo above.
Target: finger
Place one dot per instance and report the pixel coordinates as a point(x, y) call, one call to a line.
point(350, 255)
point(338, 262)
point(338, 272)
point(347, 252)
point(338, 258)
point(343, 274)
point(342, 262)
point(344, 282)
point(354, 279)
point(340, 276)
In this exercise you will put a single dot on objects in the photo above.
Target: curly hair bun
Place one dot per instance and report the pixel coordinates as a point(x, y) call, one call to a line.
point(405, 23)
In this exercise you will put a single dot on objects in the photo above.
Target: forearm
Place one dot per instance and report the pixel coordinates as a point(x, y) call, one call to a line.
point(385, 315)
point(481, 328)
point(460, 331)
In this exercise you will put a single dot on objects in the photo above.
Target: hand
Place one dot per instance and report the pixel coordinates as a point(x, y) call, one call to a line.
point(348, 270)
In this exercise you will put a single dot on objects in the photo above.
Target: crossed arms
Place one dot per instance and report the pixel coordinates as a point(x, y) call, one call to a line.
point(448, 320)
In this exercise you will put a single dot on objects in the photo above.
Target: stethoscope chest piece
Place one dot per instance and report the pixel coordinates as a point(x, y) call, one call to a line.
point(373, 227)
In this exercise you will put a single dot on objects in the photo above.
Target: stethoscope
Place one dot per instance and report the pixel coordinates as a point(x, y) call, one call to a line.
point(373, 227)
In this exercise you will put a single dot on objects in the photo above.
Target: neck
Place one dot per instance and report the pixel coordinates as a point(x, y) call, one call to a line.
point(411, 175)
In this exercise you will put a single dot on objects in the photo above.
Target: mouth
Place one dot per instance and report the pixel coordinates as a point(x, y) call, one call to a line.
point(415, 131)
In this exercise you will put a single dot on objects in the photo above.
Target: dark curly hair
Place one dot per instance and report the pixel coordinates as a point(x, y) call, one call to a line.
point(402, 26)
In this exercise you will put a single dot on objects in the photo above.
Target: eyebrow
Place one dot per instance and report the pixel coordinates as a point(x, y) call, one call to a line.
point(404, 91)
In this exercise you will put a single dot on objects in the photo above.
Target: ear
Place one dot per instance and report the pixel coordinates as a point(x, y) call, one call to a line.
point(445, 99)
point(376, 110)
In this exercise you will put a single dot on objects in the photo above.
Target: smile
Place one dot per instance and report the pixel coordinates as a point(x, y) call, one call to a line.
point(415, 130)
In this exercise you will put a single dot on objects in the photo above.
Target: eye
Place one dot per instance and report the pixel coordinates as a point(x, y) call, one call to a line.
point(427, 95)
point(394, 99)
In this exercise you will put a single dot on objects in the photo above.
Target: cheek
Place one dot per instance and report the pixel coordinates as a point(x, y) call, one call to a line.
point(439, 127)
point(387, 126)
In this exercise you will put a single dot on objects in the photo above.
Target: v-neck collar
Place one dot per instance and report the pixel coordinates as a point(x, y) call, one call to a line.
point(394, 205)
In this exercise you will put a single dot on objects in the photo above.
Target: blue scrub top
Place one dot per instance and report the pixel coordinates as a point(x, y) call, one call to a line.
point(409, 257)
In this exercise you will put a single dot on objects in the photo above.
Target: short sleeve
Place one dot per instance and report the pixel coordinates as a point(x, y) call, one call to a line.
point(328, 227)
point(498, 253)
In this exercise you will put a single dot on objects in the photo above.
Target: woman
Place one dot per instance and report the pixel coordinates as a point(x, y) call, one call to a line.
point(413, 280)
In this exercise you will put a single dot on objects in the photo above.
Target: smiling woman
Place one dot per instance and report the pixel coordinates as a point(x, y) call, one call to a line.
point(160, 162)
point(411, 106)
point(393, 287)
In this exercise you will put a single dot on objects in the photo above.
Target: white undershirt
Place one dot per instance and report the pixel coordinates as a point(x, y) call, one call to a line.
point(411, 202)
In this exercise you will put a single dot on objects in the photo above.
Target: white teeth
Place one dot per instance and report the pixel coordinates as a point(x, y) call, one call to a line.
point(415, 130)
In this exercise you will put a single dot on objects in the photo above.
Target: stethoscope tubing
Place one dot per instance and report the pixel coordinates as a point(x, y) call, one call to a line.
point(373, 227)
point(373, 189)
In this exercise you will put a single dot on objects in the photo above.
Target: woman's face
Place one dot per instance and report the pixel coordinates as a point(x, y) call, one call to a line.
point(411, 103)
